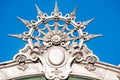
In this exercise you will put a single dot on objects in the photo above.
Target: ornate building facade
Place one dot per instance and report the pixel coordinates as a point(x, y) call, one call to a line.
point(56, 51)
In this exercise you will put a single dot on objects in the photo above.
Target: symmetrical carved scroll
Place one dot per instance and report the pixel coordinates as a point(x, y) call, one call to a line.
point(21, 59)
point(56, 42)
point(91, 60)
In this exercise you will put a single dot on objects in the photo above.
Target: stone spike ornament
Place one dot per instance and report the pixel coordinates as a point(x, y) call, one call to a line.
point(56, 10)
point(72, 14)
point(85, 23)
point(20, 36)
point(24, 21)
point(56, 49)
point(94, 36)
point(38, 11)
point(15, 35)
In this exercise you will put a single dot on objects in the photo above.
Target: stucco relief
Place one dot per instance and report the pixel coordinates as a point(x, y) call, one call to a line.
point(57, 46)
point(56, 49)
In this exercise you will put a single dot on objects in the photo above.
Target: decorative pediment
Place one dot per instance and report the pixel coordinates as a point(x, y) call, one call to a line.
point(55, 47)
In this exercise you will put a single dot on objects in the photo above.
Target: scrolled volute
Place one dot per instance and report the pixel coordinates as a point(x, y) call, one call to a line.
point(35, 53)
point(21, 60)
point(76, 53)
point(91, 60)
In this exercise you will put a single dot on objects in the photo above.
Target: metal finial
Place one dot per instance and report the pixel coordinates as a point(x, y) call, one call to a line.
point(38, 10)
point(74, 11)
point(56, 10)
point(24, 21)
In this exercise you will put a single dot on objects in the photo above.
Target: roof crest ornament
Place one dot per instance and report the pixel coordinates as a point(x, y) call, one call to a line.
point(56, 49)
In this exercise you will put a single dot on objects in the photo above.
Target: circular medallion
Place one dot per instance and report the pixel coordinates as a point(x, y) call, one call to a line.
point(56, 56)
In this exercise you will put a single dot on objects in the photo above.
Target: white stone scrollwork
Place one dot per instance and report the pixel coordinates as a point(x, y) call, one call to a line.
point(21, 59)
point(75, 52)
point(91, 60)
point(36, 52)
point(54, 48)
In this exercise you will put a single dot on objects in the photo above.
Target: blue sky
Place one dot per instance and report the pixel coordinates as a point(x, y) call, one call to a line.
point(105, 12)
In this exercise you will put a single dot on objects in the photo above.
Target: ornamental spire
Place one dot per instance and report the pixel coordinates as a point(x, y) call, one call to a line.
point(16, 35)
point(56, 10)
point(38, 10)
point(85, 23)
point(20, 36)
point(74, 11)
point(26, 22)
point(91, 36)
